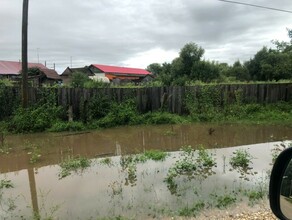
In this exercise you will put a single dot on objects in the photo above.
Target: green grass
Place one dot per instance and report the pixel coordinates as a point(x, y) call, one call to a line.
point(73, 165)
point(6, 184)
point(156, 155)
point(47, 117)
point(192, 211)
point(67, 126)
point(224, 201)
point(106, 161)
point(241, 158)
point(254, 195)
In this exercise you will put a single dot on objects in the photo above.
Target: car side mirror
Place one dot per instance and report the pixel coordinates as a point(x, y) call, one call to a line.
point(280, 189)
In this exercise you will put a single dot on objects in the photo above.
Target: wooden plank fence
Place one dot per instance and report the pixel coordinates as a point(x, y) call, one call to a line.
point(168, 98)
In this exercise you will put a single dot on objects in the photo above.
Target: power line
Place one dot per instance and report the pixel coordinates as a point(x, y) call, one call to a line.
point(257, 6)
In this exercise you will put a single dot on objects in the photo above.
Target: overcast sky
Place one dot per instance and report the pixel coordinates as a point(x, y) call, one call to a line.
point(137, 33)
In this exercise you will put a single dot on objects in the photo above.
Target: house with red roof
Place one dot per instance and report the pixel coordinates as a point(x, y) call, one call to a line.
point(12, 70)
point(113, 73)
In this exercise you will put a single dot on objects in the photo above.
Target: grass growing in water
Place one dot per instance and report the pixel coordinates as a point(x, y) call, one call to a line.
point(191, 165)
point(225, 201)
point(6, 184)
point(192, 211)
point(156, 155)
point(73, 165)
point(106, 161)
point(241, 158)
point(241, 161)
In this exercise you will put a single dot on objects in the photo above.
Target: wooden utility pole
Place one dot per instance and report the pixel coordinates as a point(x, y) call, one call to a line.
point(24, 54)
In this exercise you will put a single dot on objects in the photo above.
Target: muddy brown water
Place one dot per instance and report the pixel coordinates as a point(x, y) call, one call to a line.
point(105, 191)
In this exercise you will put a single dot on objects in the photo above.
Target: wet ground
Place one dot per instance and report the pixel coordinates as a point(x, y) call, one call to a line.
point(110, 189)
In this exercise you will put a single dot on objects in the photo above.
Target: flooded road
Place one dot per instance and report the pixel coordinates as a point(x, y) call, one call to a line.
point(53, 147)
point(109, 190)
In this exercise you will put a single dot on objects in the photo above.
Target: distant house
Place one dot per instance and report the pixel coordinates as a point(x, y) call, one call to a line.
point(67, 74)
point(45, 76)
point(113, 73)
point(120, 73)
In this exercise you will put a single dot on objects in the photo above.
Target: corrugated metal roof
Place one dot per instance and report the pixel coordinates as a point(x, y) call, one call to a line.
point(121, 70)
point(14, 68)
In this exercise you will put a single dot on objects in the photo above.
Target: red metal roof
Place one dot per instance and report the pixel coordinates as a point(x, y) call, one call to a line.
point(14, 68)
point(121, 70)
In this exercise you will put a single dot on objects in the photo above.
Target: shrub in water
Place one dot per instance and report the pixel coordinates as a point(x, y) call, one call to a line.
point(67, 126)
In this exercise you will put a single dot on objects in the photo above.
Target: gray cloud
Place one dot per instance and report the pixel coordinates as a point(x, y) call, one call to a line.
point(112, 31)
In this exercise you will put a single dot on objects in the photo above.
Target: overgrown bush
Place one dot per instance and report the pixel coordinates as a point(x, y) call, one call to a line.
point(67, 126)
point(205, 104)
point(8, 101)
point(38, 117)
point(121, 114)
point(96, 107)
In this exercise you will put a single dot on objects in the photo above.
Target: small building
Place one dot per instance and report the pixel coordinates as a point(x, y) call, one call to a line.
point(114, 74)
point(121, 73)
point(67, 74)
point(12, 70)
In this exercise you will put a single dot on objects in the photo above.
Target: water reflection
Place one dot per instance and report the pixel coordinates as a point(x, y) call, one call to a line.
point(103, 190)
point(113, 190)
point(125, 140)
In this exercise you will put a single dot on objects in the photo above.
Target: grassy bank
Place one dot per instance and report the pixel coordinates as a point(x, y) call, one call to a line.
point(101, 112)
point(50, 118)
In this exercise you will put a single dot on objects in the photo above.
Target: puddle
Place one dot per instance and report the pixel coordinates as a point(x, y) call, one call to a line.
point(54, 147)
point(108, 190)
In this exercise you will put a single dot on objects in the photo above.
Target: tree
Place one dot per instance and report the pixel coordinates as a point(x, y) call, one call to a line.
point(239, 72)
point(155, 68)
point(254, 65)
point(271, 64)
point(189, 55)
point(205, 71)
point(78, 80)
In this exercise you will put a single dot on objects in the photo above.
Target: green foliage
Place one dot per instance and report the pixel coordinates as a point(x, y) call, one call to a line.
point(6, 184)
point(90, 84)
point(35, 155)
point(205, 71)
point(205, 158)
point(241, 158)
point(129, 164)
point(36, 118)
point(254, 195)
point(96, 107)
point(225, 201)
point(79, 79)
point(33, 120)
point(239, 72)
point(192, 211)
point(155, 68)
point(121, 114)
point(156, 155)
point(73, 165)
point(67, 126)
point(8, 101)
point(191, 165)
point(205, 105)
point(106, 161)
point(269, 64)
point(190, 54)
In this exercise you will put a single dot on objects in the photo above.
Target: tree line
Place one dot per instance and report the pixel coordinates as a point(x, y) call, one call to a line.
point(268, 64)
